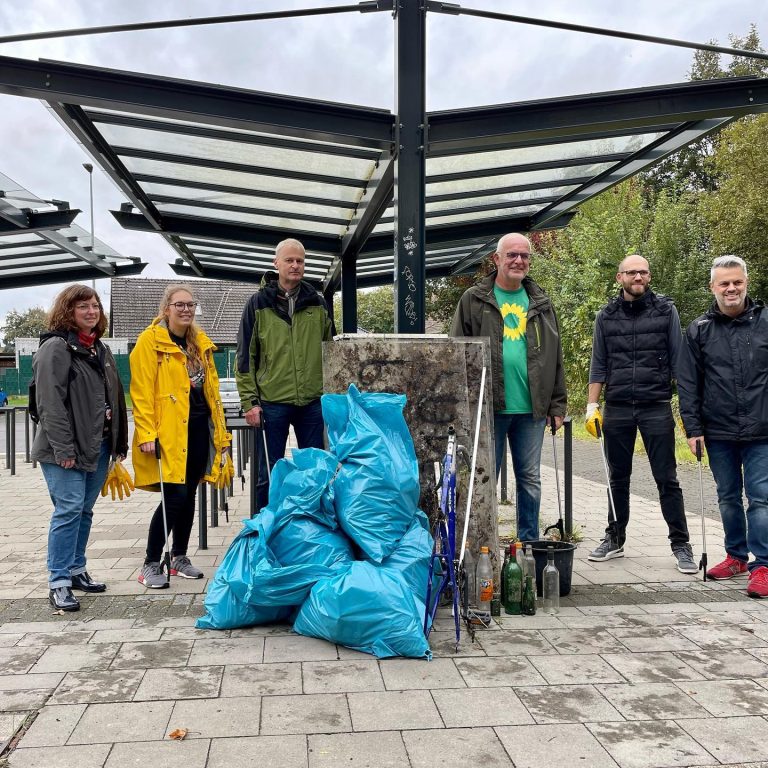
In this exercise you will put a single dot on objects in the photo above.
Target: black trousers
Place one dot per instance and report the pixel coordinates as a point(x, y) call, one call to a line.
point(180, 498)
point(621, 423)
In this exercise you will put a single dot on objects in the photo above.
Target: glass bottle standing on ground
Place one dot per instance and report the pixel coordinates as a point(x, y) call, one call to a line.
point(520, 556)
point(484, 581)
point(530, 566)
point(528, 604)
point(550, 583)
point(508, 552)
point(512, 592)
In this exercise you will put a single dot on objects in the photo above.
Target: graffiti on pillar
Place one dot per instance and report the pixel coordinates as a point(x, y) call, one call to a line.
point(410, 299)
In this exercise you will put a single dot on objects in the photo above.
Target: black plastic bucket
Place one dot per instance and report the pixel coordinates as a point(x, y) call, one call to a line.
point(563, 562)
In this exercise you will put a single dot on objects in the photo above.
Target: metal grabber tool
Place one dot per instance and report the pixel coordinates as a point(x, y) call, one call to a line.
point(703, 561)
point(599, 431)
point(167, 555)
point(558, 526)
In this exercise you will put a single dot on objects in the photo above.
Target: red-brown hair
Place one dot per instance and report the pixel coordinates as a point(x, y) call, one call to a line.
point(62, 314)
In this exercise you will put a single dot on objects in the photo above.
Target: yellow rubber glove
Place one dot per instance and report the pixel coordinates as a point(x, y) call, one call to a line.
point(124, 481)
point(108, 480)
point(593, 417)
point(226, 472)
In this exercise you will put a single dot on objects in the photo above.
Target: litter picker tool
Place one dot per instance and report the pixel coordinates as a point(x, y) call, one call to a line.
point(167, 555)
point(703, 561)
point(599, 431)
point(558, 526)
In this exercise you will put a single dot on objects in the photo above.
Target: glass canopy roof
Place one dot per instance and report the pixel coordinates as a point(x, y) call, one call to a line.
point(225, 174)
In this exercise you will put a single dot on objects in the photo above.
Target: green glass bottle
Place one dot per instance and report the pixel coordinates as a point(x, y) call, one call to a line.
point(529, 597)
point(513, 587)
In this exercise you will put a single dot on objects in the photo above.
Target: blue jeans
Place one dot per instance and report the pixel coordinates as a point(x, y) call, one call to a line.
point(525, 435)
point(73, 493)
point(744, 533)
point(307, 423)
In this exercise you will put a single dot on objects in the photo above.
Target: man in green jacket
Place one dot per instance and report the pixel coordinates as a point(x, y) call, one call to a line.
point(526, 367)
point(279, 359)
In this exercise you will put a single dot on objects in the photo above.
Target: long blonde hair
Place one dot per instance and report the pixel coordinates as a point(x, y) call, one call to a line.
point(193, 349)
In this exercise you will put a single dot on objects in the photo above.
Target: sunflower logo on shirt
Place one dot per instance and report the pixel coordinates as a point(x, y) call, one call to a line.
point(515, 321)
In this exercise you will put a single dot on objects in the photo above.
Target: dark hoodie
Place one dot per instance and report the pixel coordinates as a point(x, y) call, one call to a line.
point(722, 375)
point(73, 390)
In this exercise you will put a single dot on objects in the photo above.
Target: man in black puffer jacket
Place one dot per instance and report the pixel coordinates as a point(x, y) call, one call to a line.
point(634, 354)
point(724, 404)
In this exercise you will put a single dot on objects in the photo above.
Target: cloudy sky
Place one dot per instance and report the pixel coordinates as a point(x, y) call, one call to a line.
point(344, 58)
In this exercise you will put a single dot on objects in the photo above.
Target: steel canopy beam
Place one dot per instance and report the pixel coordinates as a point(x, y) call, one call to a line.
point(23, 220)
point(197, 102)
point(62, 274)
point(468, 129)
point(189, 226)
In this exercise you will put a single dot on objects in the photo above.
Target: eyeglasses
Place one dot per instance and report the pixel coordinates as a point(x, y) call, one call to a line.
point(86, 307)
point(182, 305)
point(635, 272)
point(514, 255)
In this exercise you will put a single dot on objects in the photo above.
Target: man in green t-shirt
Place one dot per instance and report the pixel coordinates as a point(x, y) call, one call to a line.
point(526, 367)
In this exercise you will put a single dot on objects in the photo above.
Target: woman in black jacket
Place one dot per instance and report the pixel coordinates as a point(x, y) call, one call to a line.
point(83, 425)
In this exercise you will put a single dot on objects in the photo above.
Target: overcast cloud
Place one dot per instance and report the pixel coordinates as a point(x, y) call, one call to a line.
point(344, 58)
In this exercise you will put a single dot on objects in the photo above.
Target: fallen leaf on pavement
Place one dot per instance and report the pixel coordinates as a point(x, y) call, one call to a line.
point(178, 734)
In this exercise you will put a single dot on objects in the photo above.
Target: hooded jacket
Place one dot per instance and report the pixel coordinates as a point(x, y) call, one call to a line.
point(279, 358)
point(723, 375)
point(73, 389)
point(478, 314)
point(160, 394)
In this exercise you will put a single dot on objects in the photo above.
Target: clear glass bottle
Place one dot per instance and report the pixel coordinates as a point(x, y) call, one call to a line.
point(528, 603)
point(530, 566)
point(508, 552)
point(484, 581)
point(550, 584)
point(520, 556)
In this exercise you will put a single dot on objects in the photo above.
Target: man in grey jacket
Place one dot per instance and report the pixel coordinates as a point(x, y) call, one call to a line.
point(527, 372)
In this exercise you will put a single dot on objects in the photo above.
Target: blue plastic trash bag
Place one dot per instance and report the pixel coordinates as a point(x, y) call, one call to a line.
point(259, 584)
point(376, 491)
point(412, 556)
point(368, 608)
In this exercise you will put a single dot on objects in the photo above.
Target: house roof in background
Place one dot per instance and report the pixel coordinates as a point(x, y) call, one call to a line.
point(134, 305)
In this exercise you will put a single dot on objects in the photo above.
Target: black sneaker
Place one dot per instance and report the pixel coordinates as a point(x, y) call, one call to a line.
point(85, 583)
point(607, 550)
point(62, 599)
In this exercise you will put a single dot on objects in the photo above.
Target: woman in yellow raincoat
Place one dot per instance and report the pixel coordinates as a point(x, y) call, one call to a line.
point(175, 393)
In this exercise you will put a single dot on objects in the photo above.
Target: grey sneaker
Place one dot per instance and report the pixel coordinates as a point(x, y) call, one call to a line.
point(152, 576)
point(685, 562)
point(180, 566)
point(607, 550)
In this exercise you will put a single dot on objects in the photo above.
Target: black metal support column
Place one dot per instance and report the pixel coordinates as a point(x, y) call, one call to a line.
point(410, 136)
point(568, 476)
point(349, 294)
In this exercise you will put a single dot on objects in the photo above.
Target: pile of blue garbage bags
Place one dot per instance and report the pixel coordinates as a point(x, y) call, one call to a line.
point(342, 550)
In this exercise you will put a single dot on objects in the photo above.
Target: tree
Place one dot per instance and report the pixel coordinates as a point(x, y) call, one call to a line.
point(22, 324)
point(375, 310)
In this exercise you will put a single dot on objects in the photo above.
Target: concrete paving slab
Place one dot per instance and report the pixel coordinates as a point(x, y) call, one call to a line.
point(23, 700)
point(478, 707)
point(402, 674)
point(649, 639)
point(297, 648)
point(105, 723)
point(357, 750)
point(54, 638)
point(8, 639)
point(227, 651)
point(499, 671)
point(651, 701)
point(259, 752)
point(308, 713)
point(9, 723)
point(347, 676)
point(524, 642)
point(53, 725)
point(152, 654)
point(566, 704)
point(136, 635)
point(217, 718)
point(721, 664)
point(583, 641)
point(651, 667)
point(25, 682)
point(73, 658)
point(17, 661)
point(261, 679)
point(731, 739)
point(393, 711)
point(179, 683)
point(724, 637)
point(466, 746)
point(95, 686)
point(574, 669)
point(91, 756)
point(649, 744)
point(553, 746)
point(191, 753)
point(723, 698)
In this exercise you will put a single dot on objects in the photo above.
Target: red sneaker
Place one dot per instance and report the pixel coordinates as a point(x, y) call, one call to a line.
point(758, 582)
point(729, 568)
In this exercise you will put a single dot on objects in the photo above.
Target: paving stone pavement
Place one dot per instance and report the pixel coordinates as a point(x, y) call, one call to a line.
point(643, 667)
